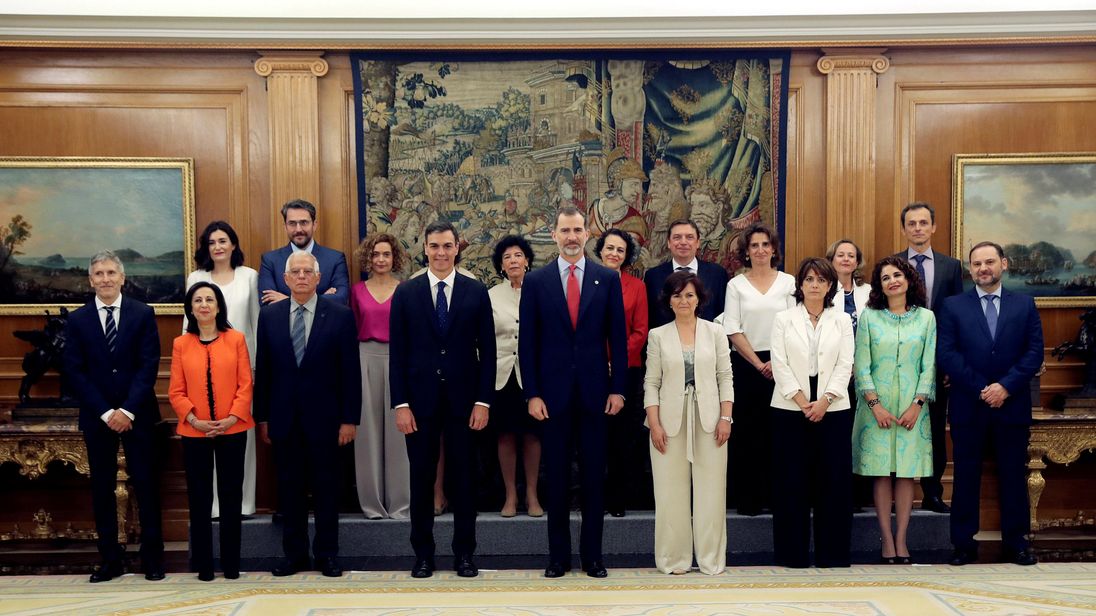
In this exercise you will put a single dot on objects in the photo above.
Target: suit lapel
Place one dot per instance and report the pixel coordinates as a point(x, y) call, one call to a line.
point(590, 284)
point(430, 308)
point(975, 306)
point(319, 321)
point(460, 292)
point(555, 291)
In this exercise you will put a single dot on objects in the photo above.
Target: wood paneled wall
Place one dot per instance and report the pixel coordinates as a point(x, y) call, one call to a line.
point(215, 108)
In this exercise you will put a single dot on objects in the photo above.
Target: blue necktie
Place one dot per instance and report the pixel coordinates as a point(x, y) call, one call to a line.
point(442, 308)
point(991, 315)
point(919, 261)
point(297, 334)
point(111, 329)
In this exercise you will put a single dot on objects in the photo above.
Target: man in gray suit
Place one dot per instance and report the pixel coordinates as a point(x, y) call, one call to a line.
point(943, 277)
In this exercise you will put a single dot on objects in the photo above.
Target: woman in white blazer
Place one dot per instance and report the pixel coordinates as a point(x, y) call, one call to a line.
point(688, 392)
point(812, 355)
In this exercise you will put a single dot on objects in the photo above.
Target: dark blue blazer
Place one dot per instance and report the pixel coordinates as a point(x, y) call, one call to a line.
point(333, 272)
point(973, 360)
point(423, 360)
point(325, 391)
point(712, 276)
point(555, 357)
point(125, 379)
point(947, 277)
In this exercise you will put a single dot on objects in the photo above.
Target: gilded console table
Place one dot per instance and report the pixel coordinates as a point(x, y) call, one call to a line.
point(33, 446)
point(1058, 438)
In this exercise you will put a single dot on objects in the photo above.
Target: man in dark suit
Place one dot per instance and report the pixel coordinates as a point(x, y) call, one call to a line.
point(572, 327)
point(442, 382)
point(943, 277)
point(990, 343)
point(308, 399)
point(300, 223)
point(683, 239)
point(111, 356)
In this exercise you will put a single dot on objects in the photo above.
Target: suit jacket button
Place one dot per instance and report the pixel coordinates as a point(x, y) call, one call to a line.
point(439, 370)
point(114, 371)
point(443, 351)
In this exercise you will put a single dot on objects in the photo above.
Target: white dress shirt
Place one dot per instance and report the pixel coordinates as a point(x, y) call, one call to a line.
point(99, 308)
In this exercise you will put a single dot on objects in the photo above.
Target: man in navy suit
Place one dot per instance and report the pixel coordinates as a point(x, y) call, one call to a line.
point(111, 356)
point(990, 342)
point(943, 277)
point(683, 239)
point(442, 381)
point(572, 328)
point(300, 223)
point(308, 400)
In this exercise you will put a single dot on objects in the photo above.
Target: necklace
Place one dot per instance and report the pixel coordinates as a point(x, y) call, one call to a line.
point(813, 315)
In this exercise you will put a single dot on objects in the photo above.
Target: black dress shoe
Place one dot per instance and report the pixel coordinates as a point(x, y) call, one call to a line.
point(1024, 559)
point(424, 568)
point(935, 504)
point(106, 572)
point(329, 567)
point(595, 569)
point(903, 560)
point(290, 566)
point(556, 569)
point(888, 560)
point(232, 574)
point(962, 557)
point(205, 576)
point(616, 512)
point(464, 566)
point(154, 572)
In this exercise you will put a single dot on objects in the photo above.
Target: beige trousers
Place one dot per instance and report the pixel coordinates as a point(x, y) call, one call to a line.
point(702, 483)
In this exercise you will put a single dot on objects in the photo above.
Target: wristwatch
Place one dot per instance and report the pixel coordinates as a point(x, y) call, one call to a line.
point(829, 397)
point(919, 401)
point(872, 403)
point(726, 418)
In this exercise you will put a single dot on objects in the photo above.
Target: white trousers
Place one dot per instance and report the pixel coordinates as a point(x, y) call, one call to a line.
point(702, 483)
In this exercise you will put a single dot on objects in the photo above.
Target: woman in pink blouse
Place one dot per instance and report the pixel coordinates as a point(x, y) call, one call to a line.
point(380, 450)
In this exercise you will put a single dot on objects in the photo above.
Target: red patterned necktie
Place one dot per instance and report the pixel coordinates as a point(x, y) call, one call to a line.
point(573, 297)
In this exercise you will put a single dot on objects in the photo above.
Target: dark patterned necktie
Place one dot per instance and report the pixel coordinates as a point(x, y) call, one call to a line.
point(991, 315)
point(111, 329)
point(296, 334)
point(442, 308)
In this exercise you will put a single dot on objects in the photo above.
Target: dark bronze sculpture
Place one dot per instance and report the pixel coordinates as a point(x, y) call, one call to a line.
point(48, 343)
point(1085, 346)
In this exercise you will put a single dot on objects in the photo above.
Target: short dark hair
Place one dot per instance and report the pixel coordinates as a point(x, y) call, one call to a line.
point(743, 250)
point(568, 210)
point(506, 243)
point(919, 205)
point(222, 309)
point(299, 204)
point(676, 283)
point(857, 274)
point(202, 257)
point(996, 246)
point(631, 250)
point(364, 252)
point(678, 223)
point(441, 226)
point(915, 291)
point(821, 267)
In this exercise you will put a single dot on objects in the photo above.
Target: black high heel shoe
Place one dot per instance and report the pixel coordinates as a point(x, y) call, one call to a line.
point(888, 560)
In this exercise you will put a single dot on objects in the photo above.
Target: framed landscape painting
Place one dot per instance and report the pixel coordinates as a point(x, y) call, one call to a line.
point(57, 212)
point(1042, 209)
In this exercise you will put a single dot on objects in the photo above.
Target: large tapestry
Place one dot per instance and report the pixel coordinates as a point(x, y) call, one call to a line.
point(496, 146)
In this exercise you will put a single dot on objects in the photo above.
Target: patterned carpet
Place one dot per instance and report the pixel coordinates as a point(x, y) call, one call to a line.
point(985, 590)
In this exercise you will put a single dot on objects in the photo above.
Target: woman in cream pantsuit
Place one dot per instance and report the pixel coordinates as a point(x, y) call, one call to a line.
point(689, 394)
point(812, 350)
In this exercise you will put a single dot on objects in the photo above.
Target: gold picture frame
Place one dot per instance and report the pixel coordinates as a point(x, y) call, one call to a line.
point(1039, 207)
point(53, 210)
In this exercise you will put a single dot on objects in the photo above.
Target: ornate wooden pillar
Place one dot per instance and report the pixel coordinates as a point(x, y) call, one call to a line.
point(293, 108)
point(850, 143)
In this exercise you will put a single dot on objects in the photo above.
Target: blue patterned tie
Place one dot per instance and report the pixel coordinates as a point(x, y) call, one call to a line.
point(111, 329)
point(442, 308)
point(991, 315)
point(297, 334)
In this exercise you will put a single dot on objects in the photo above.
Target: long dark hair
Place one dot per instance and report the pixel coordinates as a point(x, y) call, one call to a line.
point(915, 291)
point(188, 308)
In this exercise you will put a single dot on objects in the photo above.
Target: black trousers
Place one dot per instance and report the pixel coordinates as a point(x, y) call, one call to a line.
point(938, 418)
point(1009, 442)
point(304, 461)
point(625, 464)
point(751, 439)
point(812, 467)
point(563, 429)
point(102, 446)
point(199, 454)
point(422, 455)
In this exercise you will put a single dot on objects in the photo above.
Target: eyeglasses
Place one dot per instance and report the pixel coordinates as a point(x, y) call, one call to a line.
point(301, 272)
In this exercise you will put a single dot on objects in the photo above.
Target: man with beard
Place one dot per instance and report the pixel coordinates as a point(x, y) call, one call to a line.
point(991, 345)
point(300, 223)
point(571, 329)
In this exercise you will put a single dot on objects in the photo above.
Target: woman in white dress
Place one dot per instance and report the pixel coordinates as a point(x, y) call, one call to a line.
point(220, 261)
point(753, 300)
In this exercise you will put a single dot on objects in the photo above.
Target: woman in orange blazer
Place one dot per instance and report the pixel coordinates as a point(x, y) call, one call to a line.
point(211, 393)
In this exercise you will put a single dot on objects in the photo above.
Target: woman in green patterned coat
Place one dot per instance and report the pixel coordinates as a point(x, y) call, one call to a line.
point(895, 368)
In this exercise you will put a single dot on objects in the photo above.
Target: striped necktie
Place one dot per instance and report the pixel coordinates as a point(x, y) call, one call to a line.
point(297, 334)
point(111, 329)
